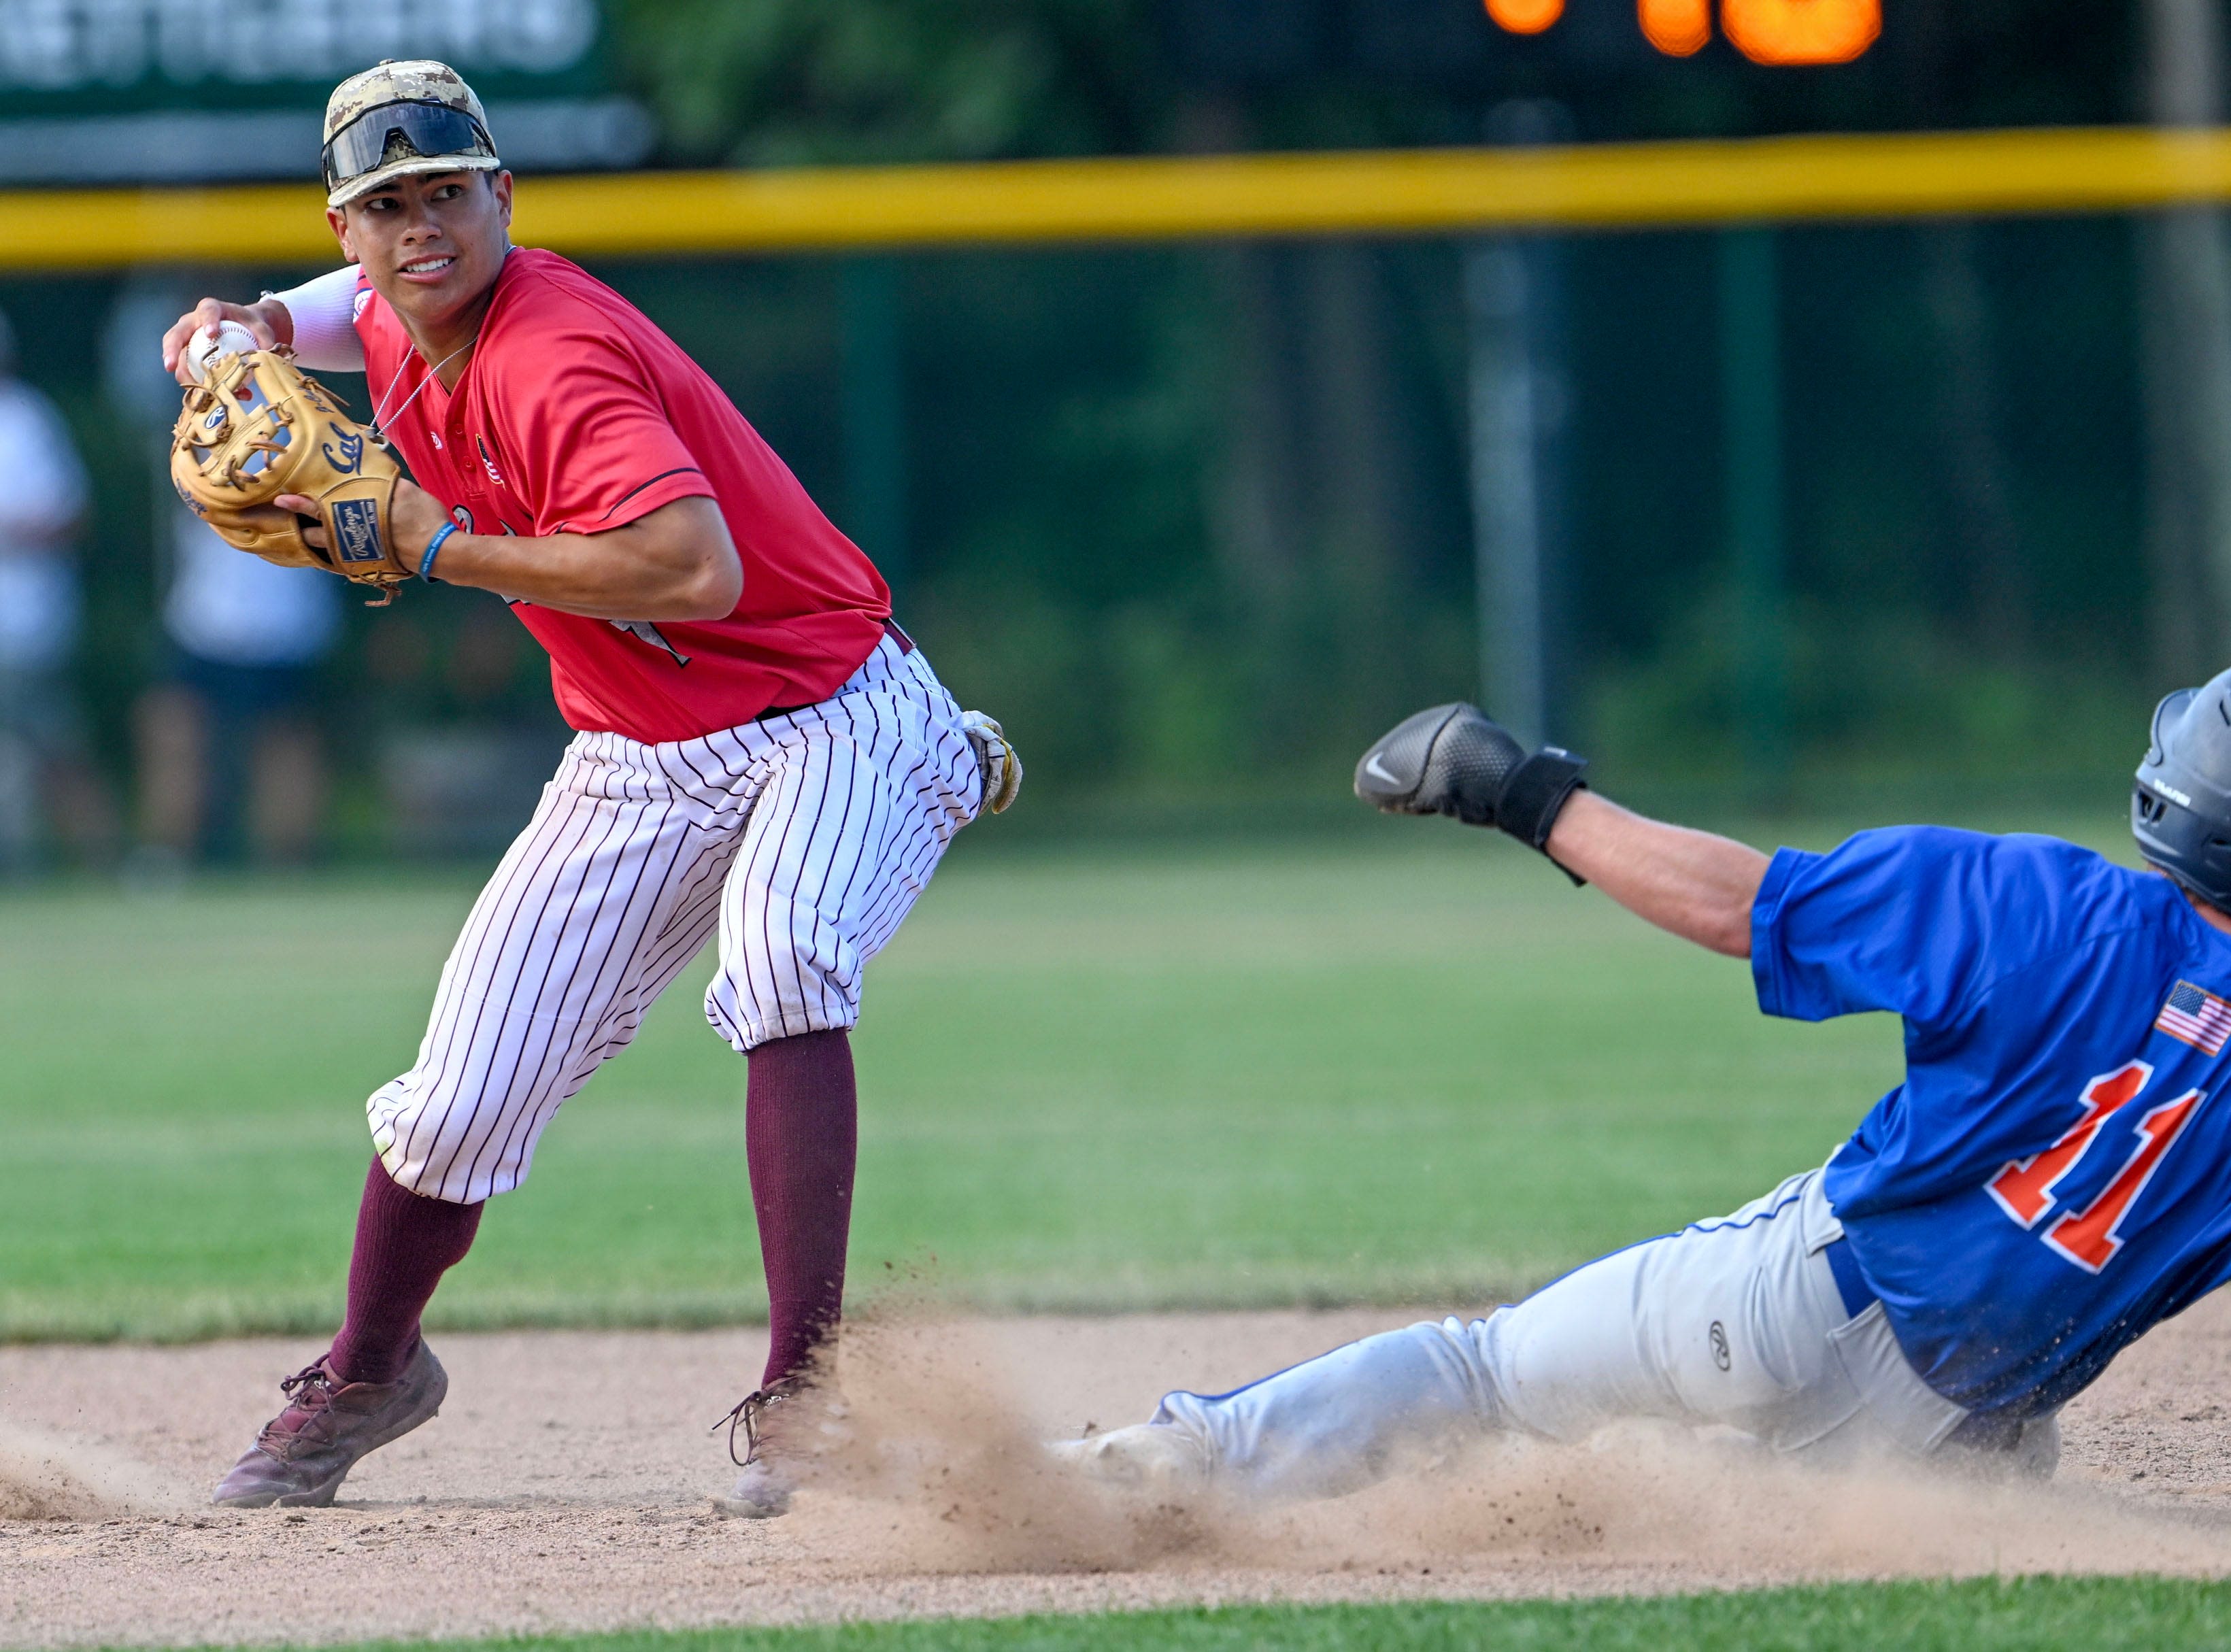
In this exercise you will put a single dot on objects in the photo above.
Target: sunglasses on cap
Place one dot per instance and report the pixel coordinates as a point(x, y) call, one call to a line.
point(432, 130)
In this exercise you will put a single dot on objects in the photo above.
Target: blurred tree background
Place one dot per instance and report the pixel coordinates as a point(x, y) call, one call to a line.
point(1195, 520)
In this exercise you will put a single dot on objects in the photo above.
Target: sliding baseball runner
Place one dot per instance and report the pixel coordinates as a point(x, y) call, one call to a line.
point(2050, 1179)
point(762, 753)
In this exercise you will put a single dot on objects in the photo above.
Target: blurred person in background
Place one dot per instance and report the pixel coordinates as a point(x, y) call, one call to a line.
point(45, 777)
point(231, 723)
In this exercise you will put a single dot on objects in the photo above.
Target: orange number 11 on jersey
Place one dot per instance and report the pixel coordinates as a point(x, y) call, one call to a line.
point(2026, 1189)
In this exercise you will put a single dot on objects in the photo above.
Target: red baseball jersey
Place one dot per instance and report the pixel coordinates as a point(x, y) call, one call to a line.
point(576, 415)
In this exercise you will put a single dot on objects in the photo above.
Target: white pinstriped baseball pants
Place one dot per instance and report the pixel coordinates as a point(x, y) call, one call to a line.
point(805, 838)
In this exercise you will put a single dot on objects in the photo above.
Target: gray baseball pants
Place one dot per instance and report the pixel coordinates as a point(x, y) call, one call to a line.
point(1735, 1322)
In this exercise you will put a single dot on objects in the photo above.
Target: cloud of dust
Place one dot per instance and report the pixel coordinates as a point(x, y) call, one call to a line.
point(1644, 1494)
point(930, 1462)
point(48, 1477)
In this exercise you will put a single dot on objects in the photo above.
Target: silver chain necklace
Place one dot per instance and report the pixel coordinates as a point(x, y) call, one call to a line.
point(379, 413)
point(378, 420)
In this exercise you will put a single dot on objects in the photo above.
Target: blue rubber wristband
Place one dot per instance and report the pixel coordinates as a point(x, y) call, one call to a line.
point(426, 562)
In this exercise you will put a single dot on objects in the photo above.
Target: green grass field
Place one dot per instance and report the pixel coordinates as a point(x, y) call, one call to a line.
point(2019, 1615)
point(1413, 1065)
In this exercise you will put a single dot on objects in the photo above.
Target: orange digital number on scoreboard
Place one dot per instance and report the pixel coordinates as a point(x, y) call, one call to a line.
point(1780, 32)
point(1802, 31)
point(1677, 27)
point(1525, 16)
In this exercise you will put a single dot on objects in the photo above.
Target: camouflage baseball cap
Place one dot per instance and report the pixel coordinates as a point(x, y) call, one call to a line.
point(399, 118)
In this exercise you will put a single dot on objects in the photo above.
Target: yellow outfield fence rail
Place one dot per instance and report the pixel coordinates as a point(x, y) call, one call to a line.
point(1192, 197)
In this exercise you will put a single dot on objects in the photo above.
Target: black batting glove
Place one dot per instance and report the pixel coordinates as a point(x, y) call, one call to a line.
point(1458, 761)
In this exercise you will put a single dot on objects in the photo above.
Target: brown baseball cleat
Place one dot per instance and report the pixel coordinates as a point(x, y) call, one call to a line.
point(304, 1453)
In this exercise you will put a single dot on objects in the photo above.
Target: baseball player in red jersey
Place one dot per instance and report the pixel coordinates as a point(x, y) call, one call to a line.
point(761, 751)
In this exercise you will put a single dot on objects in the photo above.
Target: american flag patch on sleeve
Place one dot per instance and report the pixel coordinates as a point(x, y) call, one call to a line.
point(2199, 1018)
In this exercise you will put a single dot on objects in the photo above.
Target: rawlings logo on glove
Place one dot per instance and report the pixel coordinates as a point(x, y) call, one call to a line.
point(258, 427)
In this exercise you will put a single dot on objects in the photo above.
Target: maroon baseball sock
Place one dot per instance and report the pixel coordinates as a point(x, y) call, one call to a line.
point(801, 1137)
point(404, 1243)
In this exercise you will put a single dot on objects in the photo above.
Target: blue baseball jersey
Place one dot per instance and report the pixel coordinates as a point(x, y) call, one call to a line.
point(2053, 1176)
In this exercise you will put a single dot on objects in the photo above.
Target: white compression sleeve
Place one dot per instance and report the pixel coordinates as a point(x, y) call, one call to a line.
point(325, 322)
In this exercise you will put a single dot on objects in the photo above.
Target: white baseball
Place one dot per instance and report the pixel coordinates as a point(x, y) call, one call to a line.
point(204, 350)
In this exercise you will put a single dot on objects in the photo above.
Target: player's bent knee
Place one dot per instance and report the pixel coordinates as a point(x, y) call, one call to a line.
point(453, 1184)
point(746, 1028)
point(806, 992)
point(442, 1149)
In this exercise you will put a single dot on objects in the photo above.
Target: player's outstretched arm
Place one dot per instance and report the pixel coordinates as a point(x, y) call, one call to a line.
point(1456, 760)
point(1697, 885)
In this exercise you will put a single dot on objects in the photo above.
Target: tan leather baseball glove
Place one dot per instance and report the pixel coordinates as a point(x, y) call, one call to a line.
point(257, 427)
point(997, 759)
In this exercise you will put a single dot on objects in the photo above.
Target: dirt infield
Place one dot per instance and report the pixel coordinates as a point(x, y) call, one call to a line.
point(565, 1485)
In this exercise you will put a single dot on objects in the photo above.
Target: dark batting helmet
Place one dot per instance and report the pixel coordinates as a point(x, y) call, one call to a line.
point(2181, 807)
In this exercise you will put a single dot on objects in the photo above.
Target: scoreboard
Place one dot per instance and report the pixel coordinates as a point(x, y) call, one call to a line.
point(1765, 31)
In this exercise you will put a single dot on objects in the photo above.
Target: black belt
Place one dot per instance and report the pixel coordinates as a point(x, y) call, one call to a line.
point(1850, 1284)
